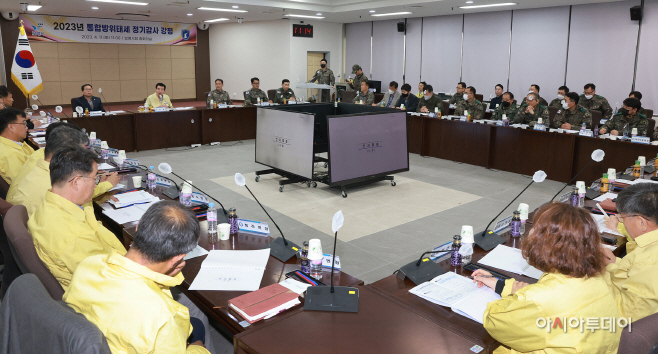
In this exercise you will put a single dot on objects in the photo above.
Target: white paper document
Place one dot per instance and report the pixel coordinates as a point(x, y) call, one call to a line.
point(197, 252)
point(105, 166)
point(600, 221)
point(511, 260)
point(636, 181)
point(459, 293)
point(38, 133)
point(605, 196)
point(232, 270)
point(129, 214)
point(119, 186)
point(130, 198)
point(295, 285)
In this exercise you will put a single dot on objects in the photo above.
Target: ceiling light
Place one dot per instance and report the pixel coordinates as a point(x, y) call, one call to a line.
point(217, 20)
point(372, 11)
point(217, 9)
point(122, 2)
point(94, 8)
point(318, 14)
point(469, 2)
point(190, 14)
point(393, 14)
point(490, 5)
point(33, 7)
point(304, 16)
point(235, 6)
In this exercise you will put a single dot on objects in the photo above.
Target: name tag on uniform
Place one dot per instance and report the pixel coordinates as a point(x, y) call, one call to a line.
point(586, 132)
point(641, 140)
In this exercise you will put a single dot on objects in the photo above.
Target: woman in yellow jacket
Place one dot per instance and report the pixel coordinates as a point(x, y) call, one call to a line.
point(567, 310)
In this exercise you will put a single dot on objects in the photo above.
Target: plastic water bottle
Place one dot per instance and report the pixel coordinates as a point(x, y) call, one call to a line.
point(211, 217)
point(150, 181)
point(186, 194)
point(583, 129)
point(104, 154)
point(596, 131)
point(515, 225)
point(316, 268)
point(305, 262)
point(455, 257)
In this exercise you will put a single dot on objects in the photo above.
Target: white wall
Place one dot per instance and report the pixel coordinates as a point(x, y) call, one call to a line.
point(328, 38)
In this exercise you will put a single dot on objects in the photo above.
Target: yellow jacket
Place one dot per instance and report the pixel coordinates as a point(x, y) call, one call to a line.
point(132, 305)
point(31, 190)
point(12, 157)
point(513, 320)
point(28, 166)
point(64, 234)
point(633, 280)
point(154, 101)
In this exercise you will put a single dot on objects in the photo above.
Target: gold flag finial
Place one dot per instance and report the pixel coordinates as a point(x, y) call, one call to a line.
point(22, 28)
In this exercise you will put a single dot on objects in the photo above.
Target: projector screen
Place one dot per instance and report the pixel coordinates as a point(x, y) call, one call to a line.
point(367, 145)
point(284, 140)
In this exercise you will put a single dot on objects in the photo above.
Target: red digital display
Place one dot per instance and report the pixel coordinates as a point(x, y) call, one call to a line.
point(302, 31)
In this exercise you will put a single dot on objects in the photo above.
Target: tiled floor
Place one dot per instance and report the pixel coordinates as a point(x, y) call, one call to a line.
point(428, 206)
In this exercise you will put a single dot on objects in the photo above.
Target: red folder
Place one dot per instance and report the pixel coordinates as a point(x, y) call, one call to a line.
point(257, 303)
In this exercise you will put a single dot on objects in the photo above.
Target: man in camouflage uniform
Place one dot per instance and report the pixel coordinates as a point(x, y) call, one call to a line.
point(508, 108)
point(459, 96)
point(251, 96)
point(355, 83)
point(324, 76)
point(628, 118)
point(591, 101)
point(561, 92)
point(534, 88)
point(284, 92)
point(473, 106)
point(218, 95)
point(427, 105)
point(638, 95)
point(531, 113)
point(365, 95)
point(572, 116)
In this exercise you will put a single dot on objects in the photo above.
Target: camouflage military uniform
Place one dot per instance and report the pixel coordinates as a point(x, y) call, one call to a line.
point(643, 112)
point(510, 111)
point(618, 122)
point(541, 101)
point(280, 95)
point(218, 97)
point(324, 77)
point(474, 108)
point(368, 98)
point(251, 97)
point(557, 103)
point(432, 103)
point(456, 98)
point(576, 118)
point(523, 117)
point(598, 103)
point(356, 82)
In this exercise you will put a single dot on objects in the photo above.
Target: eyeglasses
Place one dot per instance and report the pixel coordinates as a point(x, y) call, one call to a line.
point(621, 219)
point(22, 123)
point(97, 178)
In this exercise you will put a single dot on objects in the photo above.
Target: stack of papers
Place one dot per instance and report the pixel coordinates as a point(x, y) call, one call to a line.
point(119, 186)
point(511, 260)
point(607, 195)
point(600, 221)
point(264, 303)
point(232, 270)
point(40, 140)
point(459, 293)
point(131, 198)
point(38, 133)
point(128, 214)
point(105, 166)
point(197, 252)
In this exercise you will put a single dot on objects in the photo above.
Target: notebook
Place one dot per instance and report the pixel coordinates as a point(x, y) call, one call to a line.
point(264, 303)
point(459, 293)
point(231, 270)
point(511, 260)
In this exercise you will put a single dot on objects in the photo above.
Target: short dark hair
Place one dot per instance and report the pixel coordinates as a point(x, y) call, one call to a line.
point(8, 115)
point(590, 86)
point(640, 199)
point(633, 103)
point(323, 60)
point(472, 89)
point(284, 81)
point(367, 83)
point(535, 86)
point(423, 83)
point(64, 136)
point(393, 83)
point(499, 85)
point(573, 96)
point(56, 125)
point(255, 79)
point(564, 88)
point(511, 95)
point(82, 88)
point(463, 84)
point(406, 87)
point(636, 94)
point(160, 84)
point(428, 88)
point(4, 91)
point(68, 161)
point(166, 230)
point(220, 80)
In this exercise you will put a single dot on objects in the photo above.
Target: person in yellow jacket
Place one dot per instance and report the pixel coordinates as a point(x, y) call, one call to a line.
point(632, 279)
point(159, 98)
point(550, 316)
point(14, 152)
point(63, 231)
point(129, 298)
point(30, 191)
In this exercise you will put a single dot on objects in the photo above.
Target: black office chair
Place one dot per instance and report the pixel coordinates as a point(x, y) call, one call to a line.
point(11, 270)
point(4, 188)
point(348, 96)
point(552, 111)
point(596, 119)
point(643, 337)
point(271, 94)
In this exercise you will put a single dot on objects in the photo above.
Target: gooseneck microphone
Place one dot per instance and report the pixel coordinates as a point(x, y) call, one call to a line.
point(597, 155)
point(422, 270)
point(107, 104)
point(166, 169)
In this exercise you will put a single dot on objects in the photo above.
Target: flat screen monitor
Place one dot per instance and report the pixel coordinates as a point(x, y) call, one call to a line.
point(365, 146)
point(284, 140)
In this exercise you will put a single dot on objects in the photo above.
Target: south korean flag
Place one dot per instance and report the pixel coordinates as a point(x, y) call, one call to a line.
point(24, 71)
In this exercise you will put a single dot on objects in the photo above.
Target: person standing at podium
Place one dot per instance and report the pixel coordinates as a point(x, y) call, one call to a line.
point(87, 100)
point(218, 95)
point(251, 97)
point(159, 98)
point(324, 76)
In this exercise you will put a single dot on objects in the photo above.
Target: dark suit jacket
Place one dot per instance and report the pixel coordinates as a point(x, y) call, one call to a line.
point(82, 102)
point(410, 103)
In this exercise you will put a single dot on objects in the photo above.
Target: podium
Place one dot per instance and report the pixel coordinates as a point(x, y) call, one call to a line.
point(309, 86)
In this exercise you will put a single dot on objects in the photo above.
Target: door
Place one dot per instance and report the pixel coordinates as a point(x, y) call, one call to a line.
point(313, 65)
